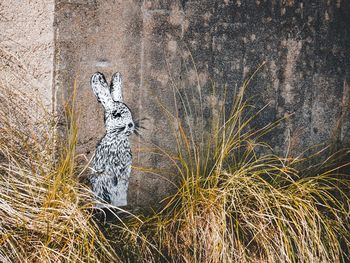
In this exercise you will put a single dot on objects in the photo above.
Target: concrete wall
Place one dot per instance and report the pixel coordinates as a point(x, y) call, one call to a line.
point(26, 54)
point(305, 44)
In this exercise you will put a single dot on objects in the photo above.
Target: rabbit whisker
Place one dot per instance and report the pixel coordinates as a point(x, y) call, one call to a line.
point(138, 123)
point(139, 127)
point(137, 133)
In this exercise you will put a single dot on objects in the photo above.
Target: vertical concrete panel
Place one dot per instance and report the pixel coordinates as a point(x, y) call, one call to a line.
point(140, 41)
point(161, 66)
point(26, 52)
point(96, 36)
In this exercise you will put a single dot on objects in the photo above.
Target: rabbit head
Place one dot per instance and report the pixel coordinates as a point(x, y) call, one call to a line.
point(118, 118)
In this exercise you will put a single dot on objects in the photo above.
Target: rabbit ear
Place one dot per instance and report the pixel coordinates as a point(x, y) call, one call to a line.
point(116, 87)
point(100, 87)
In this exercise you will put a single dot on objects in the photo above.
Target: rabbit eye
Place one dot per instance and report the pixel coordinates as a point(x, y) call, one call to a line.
point(116, 114)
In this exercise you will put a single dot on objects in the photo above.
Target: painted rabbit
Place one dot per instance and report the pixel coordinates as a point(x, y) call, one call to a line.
point(112, 161)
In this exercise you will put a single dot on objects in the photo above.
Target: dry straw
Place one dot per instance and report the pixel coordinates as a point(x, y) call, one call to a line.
point(238, 202)
point(45, 213)
point(235, 200)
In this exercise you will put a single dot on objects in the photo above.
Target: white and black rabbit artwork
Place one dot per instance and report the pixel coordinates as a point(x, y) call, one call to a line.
point(111, 164)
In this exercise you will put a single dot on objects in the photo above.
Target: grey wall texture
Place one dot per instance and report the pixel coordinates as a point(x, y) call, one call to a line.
point(305, 46)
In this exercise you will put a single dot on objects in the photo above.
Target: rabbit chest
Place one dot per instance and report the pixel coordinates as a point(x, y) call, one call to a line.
point(112, 168)
point(113, 157)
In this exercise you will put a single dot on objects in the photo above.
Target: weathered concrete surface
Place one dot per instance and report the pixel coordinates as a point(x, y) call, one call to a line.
point(26, 52)
point(116, 36)
point(306, 47)
point(305, 44)
point(98, 36)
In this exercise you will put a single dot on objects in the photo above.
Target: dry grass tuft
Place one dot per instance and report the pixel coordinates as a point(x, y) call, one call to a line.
point(45, 213)
point(238, 202)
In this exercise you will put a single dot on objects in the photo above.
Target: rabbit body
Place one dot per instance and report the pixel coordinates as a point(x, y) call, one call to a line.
point(112, 161)
point(112, 166)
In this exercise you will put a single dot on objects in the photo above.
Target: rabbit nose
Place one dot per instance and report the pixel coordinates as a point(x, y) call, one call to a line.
point(130, 125)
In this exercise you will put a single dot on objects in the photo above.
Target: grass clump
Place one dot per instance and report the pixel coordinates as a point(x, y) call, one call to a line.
point(235, 201)
point(238, 202)
point(45, 213)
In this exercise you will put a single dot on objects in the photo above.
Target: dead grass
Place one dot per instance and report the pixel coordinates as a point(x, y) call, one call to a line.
point(46, 214)
point(236, 201)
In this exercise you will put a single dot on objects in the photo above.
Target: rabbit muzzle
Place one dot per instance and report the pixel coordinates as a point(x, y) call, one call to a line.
point(127, 130)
